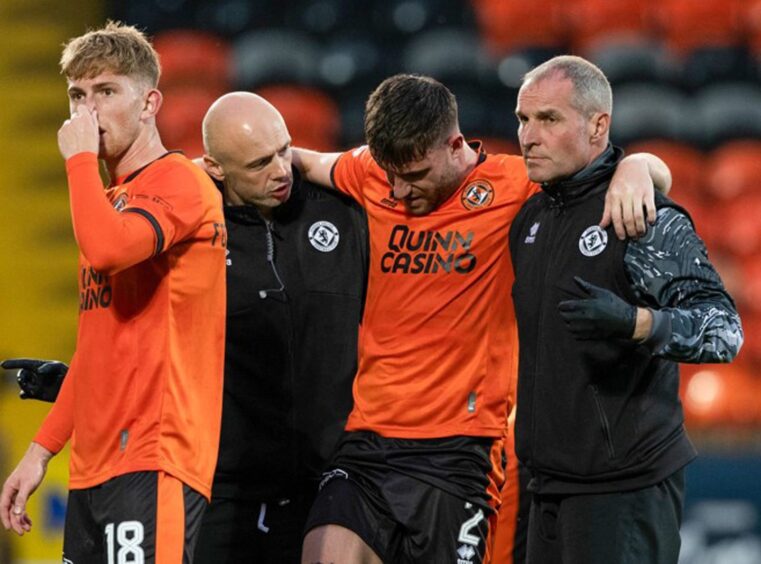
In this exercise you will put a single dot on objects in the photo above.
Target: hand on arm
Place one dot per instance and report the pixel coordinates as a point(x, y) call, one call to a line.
point(314, 166)
point(600, 315)
point(630, 200)
point(21, 484)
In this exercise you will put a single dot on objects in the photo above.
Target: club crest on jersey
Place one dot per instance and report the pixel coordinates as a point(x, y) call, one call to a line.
point(593, 241)
point(121, 202)
point(478, 194)
point(323, 236)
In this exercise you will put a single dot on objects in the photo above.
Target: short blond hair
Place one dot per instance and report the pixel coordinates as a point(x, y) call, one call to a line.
point(118, 48)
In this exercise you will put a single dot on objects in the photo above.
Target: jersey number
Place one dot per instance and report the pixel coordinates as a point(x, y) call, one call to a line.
point(129, 537)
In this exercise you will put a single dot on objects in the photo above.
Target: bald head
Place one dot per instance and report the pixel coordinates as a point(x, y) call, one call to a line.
point(248, 148)
point(235, 117)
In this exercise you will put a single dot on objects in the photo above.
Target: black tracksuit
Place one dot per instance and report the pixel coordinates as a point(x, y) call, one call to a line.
point(604, 416)
point(291, 355)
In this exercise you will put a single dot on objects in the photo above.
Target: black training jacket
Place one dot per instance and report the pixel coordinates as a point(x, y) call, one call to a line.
point(291, 351)
point(604, 415)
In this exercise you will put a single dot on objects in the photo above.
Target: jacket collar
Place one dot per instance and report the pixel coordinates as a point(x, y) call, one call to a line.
point(588, 181)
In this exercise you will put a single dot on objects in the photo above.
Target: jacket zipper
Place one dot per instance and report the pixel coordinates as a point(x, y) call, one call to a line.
point(604, 423)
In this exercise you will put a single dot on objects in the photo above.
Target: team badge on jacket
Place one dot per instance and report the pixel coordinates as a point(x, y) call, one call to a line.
point(323, 236)
point(593, 241)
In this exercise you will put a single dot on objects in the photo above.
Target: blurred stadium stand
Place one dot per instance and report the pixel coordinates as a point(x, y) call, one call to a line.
point(686, 76)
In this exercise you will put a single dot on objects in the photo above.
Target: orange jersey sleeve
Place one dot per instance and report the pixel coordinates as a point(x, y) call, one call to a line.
point(111, 241)
point(351, 170)
point(56, 430)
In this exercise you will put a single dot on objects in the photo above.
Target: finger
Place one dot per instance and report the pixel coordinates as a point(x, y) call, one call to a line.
point(6, 502)
point(617, 216)
point(52, 367)
point(606, 212)
point(652, 214)
point(630, 227)
point(28, 363)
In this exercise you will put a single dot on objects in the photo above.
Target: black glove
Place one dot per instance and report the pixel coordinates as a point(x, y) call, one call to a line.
point(603, 315)
point(38, 379)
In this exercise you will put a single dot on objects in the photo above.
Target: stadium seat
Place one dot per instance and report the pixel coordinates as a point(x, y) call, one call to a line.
point(719, 395)
point(353, 64)
point(510, 25)
point(688, 24)
point(740, 228)
point(313, 118)
point(726, 111)
point(232, 17)
point(190, 57)
point(704, 66)
point(624, 62)
point(180, 120)
point(275, 56)
point(399, 20)
point(593, 22)
point(751, 350)
point(734, 170)
point(450, 55)
point(751, 18)
point(686, 164)
point(648, 111)
point(353, 120)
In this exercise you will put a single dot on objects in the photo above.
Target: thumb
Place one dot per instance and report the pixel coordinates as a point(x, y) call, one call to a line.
point(585, 286)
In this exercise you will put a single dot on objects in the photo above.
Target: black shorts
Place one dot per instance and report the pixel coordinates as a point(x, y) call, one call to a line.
point(413, 500)
point(235, 531)
point(616, 528)
point(142, 517)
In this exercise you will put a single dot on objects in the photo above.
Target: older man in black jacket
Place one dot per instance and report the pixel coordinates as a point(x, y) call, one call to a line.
point(602, 323)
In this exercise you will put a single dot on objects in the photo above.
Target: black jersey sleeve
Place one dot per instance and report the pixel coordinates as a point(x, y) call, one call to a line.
point(695, 318)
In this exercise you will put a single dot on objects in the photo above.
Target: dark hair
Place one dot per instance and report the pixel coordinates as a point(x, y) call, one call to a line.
point(406, 116)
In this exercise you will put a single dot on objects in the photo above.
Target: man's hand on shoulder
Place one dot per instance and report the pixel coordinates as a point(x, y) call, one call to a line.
point(630, 200)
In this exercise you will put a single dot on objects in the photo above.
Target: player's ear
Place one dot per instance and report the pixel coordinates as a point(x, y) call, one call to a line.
point(456, 142)
point(152, 104)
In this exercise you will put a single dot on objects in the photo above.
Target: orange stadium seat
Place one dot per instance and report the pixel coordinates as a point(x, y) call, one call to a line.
point(751, 18)
point(734, 170)
point(739, 228)
point(313, 118)
point(689, 24)
point(719, 395)
point(509, 25)
point(196, 58)
point(179, 120)
point(595, 22)
point(686, 164)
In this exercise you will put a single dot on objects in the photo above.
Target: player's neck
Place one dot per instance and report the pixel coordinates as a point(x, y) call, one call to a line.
point(469, 161)
point(144, 150)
